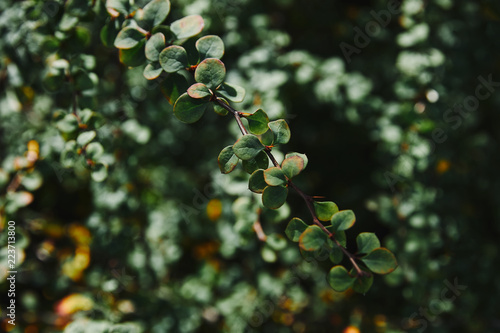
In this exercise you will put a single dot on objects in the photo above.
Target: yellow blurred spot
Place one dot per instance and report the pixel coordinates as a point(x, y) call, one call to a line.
point(380, 321)
point(79, 234)
point(126, 306)
point(73, 303)
point(443, 166)
point(74, 267)
point(28, 92)
point(33, 146)
point(214, 209)
point(351, 329)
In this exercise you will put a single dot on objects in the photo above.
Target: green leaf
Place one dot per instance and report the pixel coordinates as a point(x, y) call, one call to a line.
point(312, 239)
point(257, 122)
point(199, 90)
point(295, 228)
point(380, 261)
point(189, 110)
point(154, 46)
point(152, 71)
point(267, 138)
point(99, 172)
point(154, 13)
point(280, 130)
point(188, 26)
point(362, 283)
point(94, 150)
point(339, 278)
point(68, 124)
point(232, 92)
point(173, 87)
point(85, 137)
point(343, 220)
point(303, 156)
point(325, 210)
point(341, 238)
point(128, 37)
point(173, 58)
point(210, 47)
point(210, 72)
point(135, 56)
point(274, 197)
point(78, 8)
point(292, 166)
point(227, 160)
point(256, 182)
point(261, 161)
point(367, 242)
point(274, 177)
point(336, 254)
point(247, 147)
point(115, 7)
point(69, 155)
point(276, 242)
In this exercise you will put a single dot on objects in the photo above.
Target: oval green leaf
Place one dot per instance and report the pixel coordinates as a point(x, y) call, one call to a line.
point(367, 242)
point(336, 254)
point(261, 161)
point(292, 166)
point(325, 210)
point(274, 177)
point(280, 130)
point(128, 37)
point(210, 72)
point(362, 283)
point(232, 92)
point(312, 239)
point(247, 147)
point(295, 228)
point(199, 90)
point(227, 160)
point(173, 58)
point(154, 46)
point(188, 26)
point(257, 122)
point(274, 197)
point(339, 278)
point(189, 110)
point(303, 156)
point(343, 220)
point(99, 172)
point(94, 150)
point(256, 183)
point(152, 71)
point(210, 47)
point(85, 137)
point(135, 56)
point(154, 13)
point(380, 261)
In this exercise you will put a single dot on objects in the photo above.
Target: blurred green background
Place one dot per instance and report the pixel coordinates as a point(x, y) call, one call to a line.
point(395, 106)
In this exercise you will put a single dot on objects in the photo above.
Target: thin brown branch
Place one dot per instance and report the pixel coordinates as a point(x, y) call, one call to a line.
point(258, 228)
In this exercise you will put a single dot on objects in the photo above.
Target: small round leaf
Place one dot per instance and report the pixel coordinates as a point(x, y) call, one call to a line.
point(367, 242)
point(227, 160)
point(274, 197)
point(343, 220)
point(261, 161)
point(189, 110)
point(257, 122)
point(292, 166)
point(256, 182)
point(210, 47)
point(173, 58)
point(280, 130)
point(210, 72)
point(154, 46)
point(380, 261)
point(295, 228)
point(154, 13)
point(312, 239)
point(325, 210)
point(199, 90)
point(339, 278)
point(247, 147)
point(232, 92)
point(128, 37)
point(188, 26)
point(152, 71)
point(85, 137)
point(274, 177)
